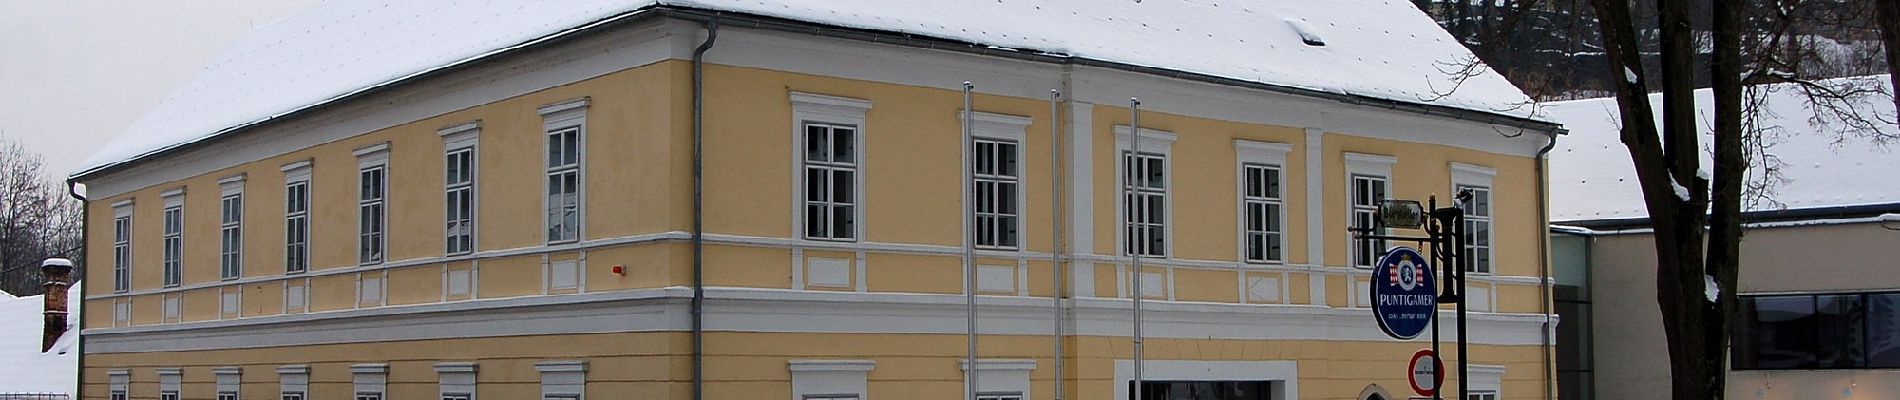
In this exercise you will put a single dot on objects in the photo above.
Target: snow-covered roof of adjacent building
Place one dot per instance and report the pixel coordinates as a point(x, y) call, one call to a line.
point(1378, 49)
point(1592, 178)
point(23, 368)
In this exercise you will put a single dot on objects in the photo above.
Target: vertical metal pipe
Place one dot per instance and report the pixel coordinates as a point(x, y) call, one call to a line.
point(969, 240)
point(1128, 209)
point(699, 212)
point(1055, 227)
point(1543, 261)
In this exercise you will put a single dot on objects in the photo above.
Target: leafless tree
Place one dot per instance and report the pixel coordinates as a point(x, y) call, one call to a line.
point(37, 220)
point(1697, 215)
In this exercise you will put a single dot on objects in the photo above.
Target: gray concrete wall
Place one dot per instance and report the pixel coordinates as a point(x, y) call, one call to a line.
point(1632, 358)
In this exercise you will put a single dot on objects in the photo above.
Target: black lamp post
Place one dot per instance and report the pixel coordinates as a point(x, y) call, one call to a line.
point(1445, 235)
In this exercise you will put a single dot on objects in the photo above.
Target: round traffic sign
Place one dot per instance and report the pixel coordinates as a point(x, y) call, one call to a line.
point(1425, 377)
point(1404, 295)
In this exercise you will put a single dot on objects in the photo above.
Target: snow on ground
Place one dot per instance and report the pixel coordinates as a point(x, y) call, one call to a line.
point(1384, 49)
point(23, 368)
point(1591, 177)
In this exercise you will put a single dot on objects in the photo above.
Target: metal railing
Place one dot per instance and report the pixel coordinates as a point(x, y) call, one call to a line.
point(34, 396)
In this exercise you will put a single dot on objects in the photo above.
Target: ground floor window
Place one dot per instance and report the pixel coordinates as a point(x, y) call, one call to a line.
point(1481, 396)
point(292, 396)
point(168, 395)
point(1205, 390)
point(369, 396)
point(999, 396)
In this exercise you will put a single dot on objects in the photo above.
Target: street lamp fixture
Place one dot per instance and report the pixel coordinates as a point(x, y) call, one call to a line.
point(1445, 236)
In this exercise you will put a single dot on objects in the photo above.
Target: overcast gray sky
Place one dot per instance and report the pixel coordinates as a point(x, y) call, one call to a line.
point(74, 73)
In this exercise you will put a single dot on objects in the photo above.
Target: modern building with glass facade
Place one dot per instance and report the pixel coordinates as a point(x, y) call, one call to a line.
point(1820, 306)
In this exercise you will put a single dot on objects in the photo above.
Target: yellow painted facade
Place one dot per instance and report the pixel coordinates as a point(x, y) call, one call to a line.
point(637, 215)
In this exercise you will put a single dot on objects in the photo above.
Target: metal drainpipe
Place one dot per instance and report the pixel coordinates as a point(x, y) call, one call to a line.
point(1055, 225)
point(699, 211)
point(1543, 254)
point(85, 232)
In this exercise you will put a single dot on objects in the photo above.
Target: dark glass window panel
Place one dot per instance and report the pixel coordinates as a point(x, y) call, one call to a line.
point(843, 145)
point(1778, 332)
point(1883, 330)
point(817, 143)
point(1841, 328)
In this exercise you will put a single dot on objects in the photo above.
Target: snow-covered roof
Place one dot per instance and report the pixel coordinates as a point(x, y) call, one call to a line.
point(23, 368)
point(1592, 178)
point(1383, 49)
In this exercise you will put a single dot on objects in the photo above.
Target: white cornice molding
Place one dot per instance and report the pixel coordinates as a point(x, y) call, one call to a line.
point(370, 149)
point(565, 105)
point(775, 310)
point(842, 104)
point(831, 365)
point(1262, 152)
point(998, 126)
point(295, 165)
point(1151, 139)
point(999, 364)
point(1472, 174)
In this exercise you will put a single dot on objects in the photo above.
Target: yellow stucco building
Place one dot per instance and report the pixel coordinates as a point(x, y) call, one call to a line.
point(489, 200)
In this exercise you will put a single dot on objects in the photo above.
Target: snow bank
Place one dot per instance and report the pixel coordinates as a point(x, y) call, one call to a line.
point(1383, 49)
point(23, 368)
point(1591, 177)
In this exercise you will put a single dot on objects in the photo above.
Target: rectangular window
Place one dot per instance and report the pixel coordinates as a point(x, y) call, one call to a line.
point(291, 396)
point(1477, 229)
point(122, 253)
point(1205, 390)
point(174, 245)
point(230, 224)
point(998, 181)
point(369, 396)
point(1261, 202)
point(456, 396)
point(369, 211)
point(459, 234)
point(1000, 396)
point(168, 395)
point(1481, 396)
point(831, 170)
point(296, 227)
point(1145, 182)
point(117, 395)
point(1367, 193)
point(227, 396)
point(564, 180)
point(561, 397)
point(1826, 331)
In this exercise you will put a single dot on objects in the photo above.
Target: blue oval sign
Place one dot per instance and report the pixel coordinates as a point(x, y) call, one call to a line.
point(1403, 294)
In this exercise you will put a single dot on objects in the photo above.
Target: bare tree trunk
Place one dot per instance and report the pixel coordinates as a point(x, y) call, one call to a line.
point(1725, 215)
point(1887, 14)
point(1667, 162)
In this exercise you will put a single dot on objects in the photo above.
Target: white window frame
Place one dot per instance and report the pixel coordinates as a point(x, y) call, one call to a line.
point(996, 130)
point(563, 379)
point(810, 109)
point(1154, 144)
point(459, 144)
point(369, 380)
point(830, 379)
point(1372, 167)
point(172, 222)
point(118, 381)
point(229, 381)
point(1270, 157)
point(999, 379)
point(170, 380)
point(293, 380)
point(296, 217)
point(559, 119)
point(1482, 257)
point(1486, 379)
point(122, 246)
point(372, 237)
point(231, 227)
point(455, 380)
